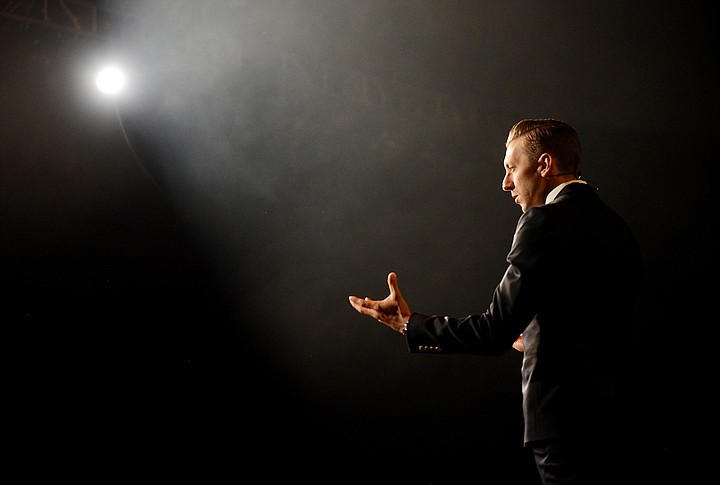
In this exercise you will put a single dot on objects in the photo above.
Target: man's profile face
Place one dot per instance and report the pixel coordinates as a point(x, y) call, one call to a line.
point(522, 177)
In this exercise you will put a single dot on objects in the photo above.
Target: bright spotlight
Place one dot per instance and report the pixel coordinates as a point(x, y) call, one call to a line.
point(110, 80)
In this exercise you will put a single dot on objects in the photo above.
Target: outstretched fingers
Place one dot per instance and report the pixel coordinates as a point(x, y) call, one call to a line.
point(366, 306)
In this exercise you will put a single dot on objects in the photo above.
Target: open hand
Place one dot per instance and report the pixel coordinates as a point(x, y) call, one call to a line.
point(393, 311)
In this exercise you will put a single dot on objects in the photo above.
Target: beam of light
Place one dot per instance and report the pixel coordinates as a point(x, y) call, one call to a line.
point(110, 80)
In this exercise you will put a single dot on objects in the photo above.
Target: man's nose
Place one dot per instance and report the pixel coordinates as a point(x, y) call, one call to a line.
point(506, 184)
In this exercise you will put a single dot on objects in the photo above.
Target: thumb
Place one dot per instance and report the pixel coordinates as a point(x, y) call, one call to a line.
point(393, 285)
point(403, 310)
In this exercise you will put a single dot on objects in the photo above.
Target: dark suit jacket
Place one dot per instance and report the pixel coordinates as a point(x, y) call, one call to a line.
point(570, 287)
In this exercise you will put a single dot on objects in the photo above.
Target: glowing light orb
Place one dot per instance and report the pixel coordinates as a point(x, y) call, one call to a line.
point(110, 80)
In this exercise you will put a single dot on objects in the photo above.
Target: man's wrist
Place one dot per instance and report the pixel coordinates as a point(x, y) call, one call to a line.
point(405, 327)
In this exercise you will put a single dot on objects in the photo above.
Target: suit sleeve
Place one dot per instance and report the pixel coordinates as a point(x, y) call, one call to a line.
point(513, 305)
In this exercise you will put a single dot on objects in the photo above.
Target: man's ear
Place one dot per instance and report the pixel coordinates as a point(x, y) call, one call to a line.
point(545, 164)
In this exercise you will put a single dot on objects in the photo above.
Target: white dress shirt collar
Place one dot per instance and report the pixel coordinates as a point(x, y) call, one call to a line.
point(554, 192)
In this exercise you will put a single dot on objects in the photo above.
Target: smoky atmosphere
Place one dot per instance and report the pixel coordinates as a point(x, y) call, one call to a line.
point(177, 257)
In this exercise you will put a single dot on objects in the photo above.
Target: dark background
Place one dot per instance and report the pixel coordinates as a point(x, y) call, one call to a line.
point(176, 261)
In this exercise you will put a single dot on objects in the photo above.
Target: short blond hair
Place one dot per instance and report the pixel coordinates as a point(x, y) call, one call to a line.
point(547, 135)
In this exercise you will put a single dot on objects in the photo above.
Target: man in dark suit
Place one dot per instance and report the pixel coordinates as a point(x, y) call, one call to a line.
point(566, 300)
